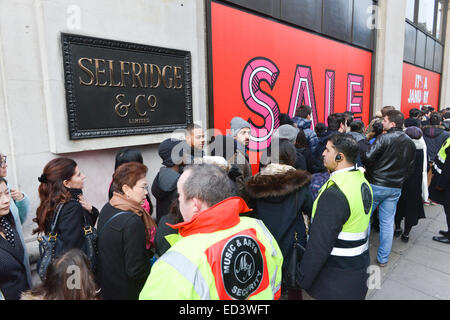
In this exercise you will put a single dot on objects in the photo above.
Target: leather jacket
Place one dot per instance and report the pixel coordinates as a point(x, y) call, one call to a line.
point(390, 160)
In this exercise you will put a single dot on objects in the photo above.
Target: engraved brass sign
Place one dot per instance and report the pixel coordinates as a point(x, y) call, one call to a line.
point(118, 88)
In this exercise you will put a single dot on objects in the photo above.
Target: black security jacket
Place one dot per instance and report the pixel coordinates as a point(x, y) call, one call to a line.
point(390, 160)
point(327, 277)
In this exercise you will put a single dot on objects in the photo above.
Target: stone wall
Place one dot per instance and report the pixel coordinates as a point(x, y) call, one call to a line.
point(34, 126)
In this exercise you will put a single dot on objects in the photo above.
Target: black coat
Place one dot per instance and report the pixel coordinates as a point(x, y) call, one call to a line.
point(410, 204)
point(71, 221)
point(312, 165)
point(13, 276)
point(441, 181)
point(278, 200)
point(390, 160)
point(123, 260)
point(300, 161)
point(321, 146)
point(164, 189)
point(434, 137)
point(325, 276)
point(161, 243)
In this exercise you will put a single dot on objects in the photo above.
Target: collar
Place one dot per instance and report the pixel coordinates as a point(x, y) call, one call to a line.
point(75, 193)
point(221, 216)
point(344, 170)
point(394, 129)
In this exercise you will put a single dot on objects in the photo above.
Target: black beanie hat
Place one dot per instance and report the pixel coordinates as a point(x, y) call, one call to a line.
point(165, 152)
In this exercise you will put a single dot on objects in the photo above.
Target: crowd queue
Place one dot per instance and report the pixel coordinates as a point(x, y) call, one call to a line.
point(216, 230)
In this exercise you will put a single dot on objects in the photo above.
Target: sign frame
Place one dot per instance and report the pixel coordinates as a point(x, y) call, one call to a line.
point(75, 132)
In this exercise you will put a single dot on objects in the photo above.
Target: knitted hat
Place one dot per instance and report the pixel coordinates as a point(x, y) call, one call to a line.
point(414, 132)
point(165, 152)
point(237, 124)
point(286, 131)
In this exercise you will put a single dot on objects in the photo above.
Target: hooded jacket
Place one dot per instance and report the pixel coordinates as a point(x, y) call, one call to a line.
point(305, 125)
point(279, 194)
point(434, 137)
point(164, 189)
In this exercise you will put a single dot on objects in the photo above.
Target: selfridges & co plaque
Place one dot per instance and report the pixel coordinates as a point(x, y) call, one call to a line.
point(116, 88)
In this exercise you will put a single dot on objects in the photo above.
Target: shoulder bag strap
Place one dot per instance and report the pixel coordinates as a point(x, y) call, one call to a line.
point(110, 219)
point(55, 217)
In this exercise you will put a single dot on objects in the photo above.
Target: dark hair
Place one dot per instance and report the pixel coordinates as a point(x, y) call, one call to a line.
point(128, 174)
point(348, 117)
point(446, 115)
point(397, 117)
point(346, 144)
point(357, 126)
point(386, 109)
point(3, 180)
point(191, 126)
point(208, 183)
point(303, 111)
point(285, 119)
point(128, 155)
point(335, 120)
point(52, 190)
point(414, 112)
point(56, 286)
point(320, 129)
point(377, 127)
point(435, 119)
point(301, 141)
point(286, 153)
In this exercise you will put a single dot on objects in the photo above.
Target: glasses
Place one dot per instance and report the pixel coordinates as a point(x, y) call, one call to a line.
point(3, 162)
point(144, 187)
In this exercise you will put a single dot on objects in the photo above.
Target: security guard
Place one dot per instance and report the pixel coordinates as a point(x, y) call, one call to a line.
point(334, 265)
point(439, 189)
point(217, 254)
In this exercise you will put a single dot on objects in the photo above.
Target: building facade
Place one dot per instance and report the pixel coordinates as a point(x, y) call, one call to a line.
point(249, 58)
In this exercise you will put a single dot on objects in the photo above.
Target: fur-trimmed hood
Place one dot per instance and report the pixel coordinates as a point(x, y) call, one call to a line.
point(276, 180)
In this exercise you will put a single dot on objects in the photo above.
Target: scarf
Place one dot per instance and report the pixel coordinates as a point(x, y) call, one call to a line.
point(121, 202)
point(6, 227)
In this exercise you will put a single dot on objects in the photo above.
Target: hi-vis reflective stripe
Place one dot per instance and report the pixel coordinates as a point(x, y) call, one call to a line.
point(349, 236)
point(437, 168)
point(275, 288)
point(440, 158)
point(188, 270)
point(268, 235)
point(350, 252)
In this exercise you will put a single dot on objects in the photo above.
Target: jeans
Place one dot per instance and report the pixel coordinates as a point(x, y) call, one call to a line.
point(386, 199)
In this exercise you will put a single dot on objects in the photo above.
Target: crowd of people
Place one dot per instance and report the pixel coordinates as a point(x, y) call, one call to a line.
point(218, 231)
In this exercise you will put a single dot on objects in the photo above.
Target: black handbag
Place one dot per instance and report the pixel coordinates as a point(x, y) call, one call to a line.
point(292, 268)
point(90, 245)
point(49, 246)
point(290, 280)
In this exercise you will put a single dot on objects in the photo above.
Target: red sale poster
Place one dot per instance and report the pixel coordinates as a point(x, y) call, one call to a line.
point(262, 68)
point(419, 87)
